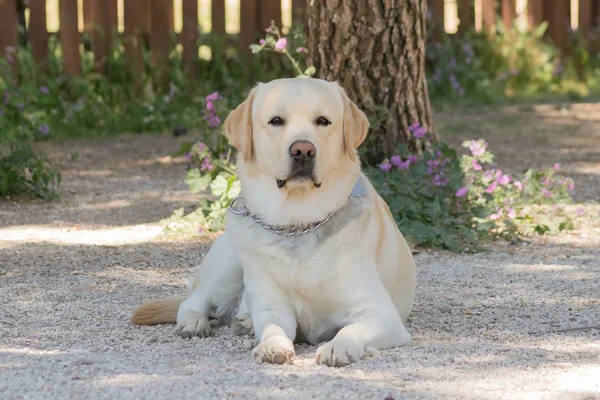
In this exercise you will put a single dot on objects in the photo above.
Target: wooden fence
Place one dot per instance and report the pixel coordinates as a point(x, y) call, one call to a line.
point(152, 21)
point(149, 21)
point(485, 13)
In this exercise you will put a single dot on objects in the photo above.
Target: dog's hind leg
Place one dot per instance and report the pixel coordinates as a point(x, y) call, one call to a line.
point(215, 292)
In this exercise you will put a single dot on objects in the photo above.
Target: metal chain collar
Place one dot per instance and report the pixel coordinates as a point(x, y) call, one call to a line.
point(295, 230)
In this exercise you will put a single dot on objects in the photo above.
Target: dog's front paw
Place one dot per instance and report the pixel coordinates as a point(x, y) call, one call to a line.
point(242, 325)
point(274, 350)
point(339, 352)
point(191, 324)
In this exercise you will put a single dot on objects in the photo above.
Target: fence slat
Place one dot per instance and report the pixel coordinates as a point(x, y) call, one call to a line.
point(102, 25)
point(466, 16)
point(557, 13)
point(436, 8)
point(9, 38)
point(299, 11)
point(37, 34)
point(217, 16)
point(69, 37)
point(268, 10)
point(133, 19)
point(189, 35)
point(585, 18)
point(535, 13)
point(509, 13)
point(248, 25)
point(160, 38)
point(488, 14)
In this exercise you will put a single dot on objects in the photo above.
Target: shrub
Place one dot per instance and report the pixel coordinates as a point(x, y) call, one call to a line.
point(438, 198)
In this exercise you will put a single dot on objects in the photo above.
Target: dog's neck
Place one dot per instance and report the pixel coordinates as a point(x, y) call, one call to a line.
point(300, 206)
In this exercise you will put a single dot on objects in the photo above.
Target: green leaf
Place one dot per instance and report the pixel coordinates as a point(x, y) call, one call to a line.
point(234, 190)
point(219, 186)
point(196, 181)
point(310, 71)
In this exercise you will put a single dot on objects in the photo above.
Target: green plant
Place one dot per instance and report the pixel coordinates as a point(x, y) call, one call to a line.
point(22, 170)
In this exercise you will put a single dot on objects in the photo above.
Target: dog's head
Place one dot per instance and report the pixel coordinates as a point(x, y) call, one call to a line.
point(297, 137)
point(296, 131)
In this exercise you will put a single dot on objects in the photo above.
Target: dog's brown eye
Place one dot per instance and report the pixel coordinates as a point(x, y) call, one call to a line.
point(276, 121)
point(322, 121)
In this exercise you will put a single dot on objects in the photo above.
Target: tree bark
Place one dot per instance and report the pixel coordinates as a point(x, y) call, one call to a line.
point(376, 49)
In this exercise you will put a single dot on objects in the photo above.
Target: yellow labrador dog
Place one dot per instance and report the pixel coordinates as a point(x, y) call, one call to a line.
point(310, 252)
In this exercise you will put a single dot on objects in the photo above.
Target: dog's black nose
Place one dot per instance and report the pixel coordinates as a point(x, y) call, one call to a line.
point(302, 150)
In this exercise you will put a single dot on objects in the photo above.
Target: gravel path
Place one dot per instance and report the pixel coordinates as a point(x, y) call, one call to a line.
point(486, 326)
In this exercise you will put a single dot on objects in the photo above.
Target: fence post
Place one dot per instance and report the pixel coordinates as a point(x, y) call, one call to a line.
point(509, 13)
point(102, 19)
point(436, 7)
point(189, 35)
point(488, 15)
point(37, 33)
point(9, 37)
point(217, 17)
point(248, 25)
point(132, 17)
point(299, 11)
point(69, 37)
point(268, 10)
point(535, 13)
point(466, 16)
point(160, 38)
point(557, 14)
point(586, 15)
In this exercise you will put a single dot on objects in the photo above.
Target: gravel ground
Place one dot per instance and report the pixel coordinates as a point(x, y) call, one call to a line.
point(494, 325)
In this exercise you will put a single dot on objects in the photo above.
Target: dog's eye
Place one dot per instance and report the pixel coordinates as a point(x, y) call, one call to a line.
point(276, 121)
point(322, 121)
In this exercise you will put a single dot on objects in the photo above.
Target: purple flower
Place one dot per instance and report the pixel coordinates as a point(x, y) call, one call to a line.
point(214, 120)
point(385, 166)
point(396, 160)
point(44, 89)
point(201, 230)
point(462, 192)
point(44, 129)
point(210, 106)
point(212, 97)
point(476, 165)
point(301, 50)
point(491, 187)
point(580, 211)
point(420, 132)
point(432, 164)
point(518, 185)
point(261, 41)
point(571, 186)
point(412, 159)
point(546, 181)
point(269, 30)
point(546, 193)
point(556, 166)
point(201, 146)
point(496, 215)
point(502, 179)
point(414, 126)
point(511, 213)
point(281, 44)
point(206, 165)
point(477, 147)
point(188, 157)
point(440, 180)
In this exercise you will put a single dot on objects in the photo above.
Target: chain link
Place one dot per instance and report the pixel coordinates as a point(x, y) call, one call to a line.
point(296, 230)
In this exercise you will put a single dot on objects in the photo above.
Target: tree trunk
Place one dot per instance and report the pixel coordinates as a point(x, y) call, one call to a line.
point(376, 49)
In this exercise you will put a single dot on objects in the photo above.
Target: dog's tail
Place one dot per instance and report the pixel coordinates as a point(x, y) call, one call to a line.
point(154, 312)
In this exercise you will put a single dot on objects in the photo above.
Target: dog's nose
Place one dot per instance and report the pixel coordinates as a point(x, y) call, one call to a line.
point(302, 150)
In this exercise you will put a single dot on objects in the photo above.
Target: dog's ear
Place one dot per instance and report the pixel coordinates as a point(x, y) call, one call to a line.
point(238, 127)
point(356, 125)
